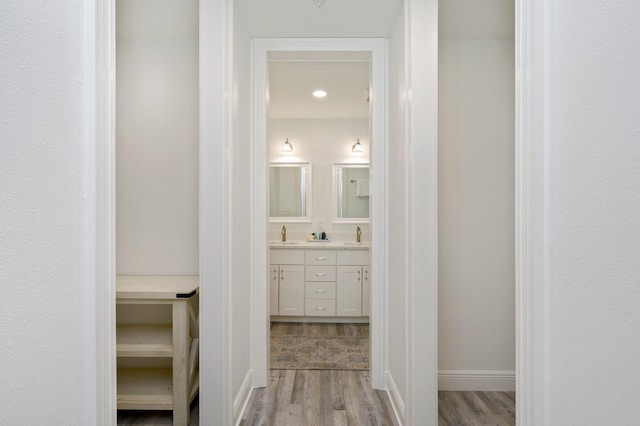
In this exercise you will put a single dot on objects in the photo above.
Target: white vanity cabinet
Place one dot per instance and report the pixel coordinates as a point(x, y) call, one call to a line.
point(319, 282)
point(366, 298)
point(287, 283)
point(349, 285)
point(291, 290)
point(351, 289)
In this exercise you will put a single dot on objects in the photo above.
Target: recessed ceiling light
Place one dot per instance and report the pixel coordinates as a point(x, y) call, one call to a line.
point(319, 93)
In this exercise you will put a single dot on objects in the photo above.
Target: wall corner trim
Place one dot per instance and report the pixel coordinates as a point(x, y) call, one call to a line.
point(396, 400)
point(476, 380)
point(241, 400)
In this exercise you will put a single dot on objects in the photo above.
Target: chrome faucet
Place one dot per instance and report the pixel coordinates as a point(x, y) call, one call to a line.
point(284, 233)
point(358, 234)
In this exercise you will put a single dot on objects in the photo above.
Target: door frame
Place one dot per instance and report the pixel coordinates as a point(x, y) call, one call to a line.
point(259, 180)
point(215, 21)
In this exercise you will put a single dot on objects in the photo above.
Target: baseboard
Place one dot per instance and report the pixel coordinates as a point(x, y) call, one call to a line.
point(241, 400)
point(476, 380)
point(396, 400)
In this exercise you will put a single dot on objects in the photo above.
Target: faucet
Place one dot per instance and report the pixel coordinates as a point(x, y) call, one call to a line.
point(358, 234)
point(284, 233)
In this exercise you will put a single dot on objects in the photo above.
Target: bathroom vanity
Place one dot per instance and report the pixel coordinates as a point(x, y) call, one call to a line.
point(319, 281)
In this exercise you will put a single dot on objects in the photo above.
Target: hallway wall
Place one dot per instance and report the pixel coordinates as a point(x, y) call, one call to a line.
point(592, 213)
point(47, 361)
point(476, 289)
point(157, 137)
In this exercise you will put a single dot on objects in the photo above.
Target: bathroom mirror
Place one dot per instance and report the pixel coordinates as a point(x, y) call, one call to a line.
point(289, 192)
point(351, 193)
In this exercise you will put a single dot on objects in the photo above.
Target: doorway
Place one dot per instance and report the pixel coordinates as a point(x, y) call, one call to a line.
point(263, 50)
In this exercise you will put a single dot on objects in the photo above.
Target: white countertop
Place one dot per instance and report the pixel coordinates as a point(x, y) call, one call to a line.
point(333, 245)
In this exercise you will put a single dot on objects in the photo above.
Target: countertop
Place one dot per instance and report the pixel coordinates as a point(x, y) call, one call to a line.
point(332, 245)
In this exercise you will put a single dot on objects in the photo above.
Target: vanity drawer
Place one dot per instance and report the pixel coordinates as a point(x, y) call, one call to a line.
point(353, 257)
point(320, 290)
point(320, 257)
point(320, 307)
point(320, 273)
point(286, 257)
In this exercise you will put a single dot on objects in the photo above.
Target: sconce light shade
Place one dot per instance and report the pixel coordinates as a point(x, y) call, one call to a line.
point(287, 147)
point(357, 148)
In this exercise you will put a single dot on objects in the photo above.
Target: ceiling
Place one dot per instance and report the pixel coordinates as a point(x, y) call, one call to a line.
point(291, 84)
point(302, 18)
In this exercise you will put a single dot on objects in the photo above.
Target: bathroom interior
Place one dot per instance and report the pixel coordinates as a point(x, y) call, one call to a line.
point(319, 144)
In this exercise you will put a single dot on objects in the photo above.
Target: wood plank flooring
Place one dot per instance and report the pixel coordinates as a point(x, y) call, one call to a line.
point(337, 398)
point(318, 398)
point(269, 406)
point(318, 329)
point(476, 408)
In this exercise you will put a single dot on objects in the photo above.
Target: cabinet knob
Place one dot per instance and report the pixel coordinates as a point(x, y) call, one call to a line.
point(358, 275)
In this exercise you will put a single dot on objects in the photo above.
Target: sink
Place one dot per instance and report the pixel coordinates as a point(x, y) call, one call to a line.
point(352, 243)
point(285, 243)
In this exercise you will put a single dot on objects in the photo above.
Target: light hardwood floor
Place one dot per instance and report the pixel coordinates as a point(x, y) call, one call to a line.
point(455, 408)
point(330, 397)
point(318, 329)
point(318, 398)
point(476, 408)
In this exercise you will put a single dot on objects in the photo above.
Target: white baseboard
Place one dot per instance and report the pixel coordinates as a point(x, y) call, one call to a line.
point(396, 400)
point(242, 398)
point(476, 380)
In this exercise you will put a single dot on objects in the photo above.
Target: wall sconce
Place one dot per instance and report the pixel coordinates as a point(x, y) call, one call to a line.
point(287, 147)
point(357, 148)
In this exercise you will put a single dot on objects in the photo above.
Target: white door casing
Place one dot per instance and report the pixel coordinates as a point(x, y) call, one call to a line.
point(259, 182)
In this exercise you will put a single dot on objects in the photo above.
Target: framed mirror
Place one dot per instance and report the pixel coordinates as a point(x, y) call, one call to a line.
point(351, 193)
point(289, 192)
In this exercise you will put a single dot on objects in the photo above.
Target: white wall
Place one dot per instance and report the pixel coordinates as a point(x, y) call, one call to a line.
point(593, 213)
point(47, 305)
point(476, 140)
point(397, 223)
point(320, 142)
point(157, 137)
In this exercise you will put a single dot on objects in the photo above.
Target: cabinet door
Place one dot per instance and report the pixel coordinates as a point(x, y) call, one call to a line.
point(366, 301)
point(291, 290)
point(274, 272)
point(349, 291)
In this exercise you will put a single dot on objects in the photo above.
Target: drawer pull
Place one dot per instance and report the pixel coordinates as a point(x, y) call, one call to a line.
point(320, 274)
point(321, 258)
point(321, 291)
point(320, 308)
